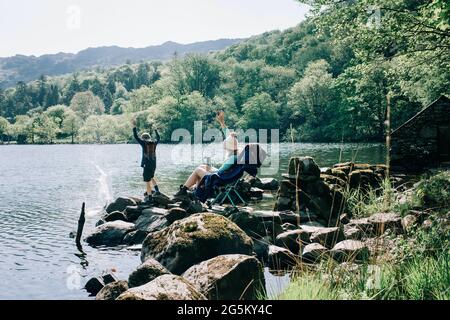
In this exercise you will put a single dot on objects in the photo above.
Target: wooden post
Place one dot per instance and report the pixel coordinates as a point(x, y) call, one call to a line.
point(388, 135)
point(388, 149)
point(81, 222)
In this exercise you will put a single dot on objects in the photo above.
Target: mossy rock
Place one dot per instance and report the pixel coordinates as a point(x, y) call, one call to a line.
point(112, 290)
point(146, 272)
point(195, 239)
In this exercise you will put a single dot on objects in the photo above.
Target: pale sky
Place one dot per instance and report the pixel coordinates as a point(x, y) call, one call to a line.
point(36, 27)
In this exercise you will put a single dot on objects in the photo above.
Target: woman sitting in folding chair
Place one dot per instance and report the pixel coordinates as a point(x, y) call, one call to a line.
point(231, 151)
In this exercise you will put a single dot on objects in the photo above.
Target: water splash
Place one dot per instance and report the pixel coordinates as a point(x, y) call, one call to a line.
point(104, 192)
point(105, 189)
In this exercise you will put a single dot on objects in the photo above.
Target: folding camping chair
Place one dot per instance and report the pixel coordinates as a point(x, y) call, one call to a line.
point(227, 193)
point(248, 161)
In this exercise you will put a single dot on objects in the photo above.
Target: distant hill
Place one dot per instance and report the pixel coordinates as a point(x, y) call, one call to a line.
point(28, 68)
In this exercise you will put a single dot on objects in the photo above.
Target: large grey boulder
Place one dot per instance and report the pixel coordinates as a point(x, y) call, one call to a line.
point(146, 272)
point(120, 204)
point(110, 233)
point(112, 290)
point(228, 277)
point(165, 287)
point(350, 250)
point(195, 239)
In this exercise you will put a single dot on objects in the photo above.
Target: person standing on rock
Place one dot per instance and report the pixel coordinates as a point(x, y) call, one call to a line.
point(230, 146)
point(148, 161)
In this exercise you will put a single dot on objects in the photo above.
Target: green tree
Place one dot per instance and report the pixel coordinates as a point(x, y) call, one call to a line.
point(44, 128)
point(21, 129)
point(311, 100)
point(57, 114)
point(259, 112)
point(4, 128)
point(53, 96)
point(21, 98)
point(389, 28)
point(171, 114)
point(195, 73)
point(139, 100)
point(86, 104)
point(91, 131)
point(42, 91)
point(73, 88)
point(142, 75)
point(71, 124)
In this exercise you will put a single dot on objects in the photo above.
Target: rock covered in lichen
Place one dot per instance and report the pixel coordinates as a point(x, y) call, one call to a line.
point(146, 272)
point(195, 239)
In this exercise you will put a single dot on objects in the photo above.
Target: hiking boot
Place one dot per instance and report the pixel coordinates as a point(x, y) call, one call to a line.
point(148, 200)
point(182, 194)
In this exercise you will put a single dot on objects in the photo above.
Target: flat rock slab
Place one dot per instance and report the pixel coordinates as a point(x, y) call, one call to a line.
point(327, 237)
point(281, 258)
point(314, 252)
point(350, 250)
point(228, 277)
point(386, 221)
point(165, 287)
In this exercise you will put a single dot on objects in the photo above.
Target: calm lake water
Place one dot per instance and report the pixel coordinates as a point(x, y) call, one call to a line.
point(42, 189)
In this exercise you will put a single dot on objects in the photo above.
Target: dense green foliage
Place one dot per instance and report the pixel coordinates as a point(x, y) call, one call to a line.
point(325, 80)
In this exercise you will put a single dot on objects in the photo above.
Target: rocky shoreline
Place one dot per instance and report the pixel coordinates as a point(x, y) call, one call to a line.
point(192, 251)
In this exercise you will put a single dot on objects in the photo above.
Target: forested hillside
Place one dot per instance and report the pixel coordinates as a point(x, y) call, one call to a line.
point(28, 68)
point(324, 80)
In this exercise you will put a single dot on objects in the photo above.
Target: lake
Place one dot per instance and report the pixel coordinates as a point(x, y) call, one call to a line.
point(42, 189)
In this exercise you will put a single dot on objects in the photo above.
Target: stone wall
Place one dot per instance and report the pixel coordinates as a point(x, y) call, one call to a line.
point(414, 145)
point(320, 195)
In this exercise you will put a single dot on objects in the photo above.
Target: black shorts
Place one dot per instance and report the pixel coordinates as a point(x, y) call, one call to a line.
point(149, 169)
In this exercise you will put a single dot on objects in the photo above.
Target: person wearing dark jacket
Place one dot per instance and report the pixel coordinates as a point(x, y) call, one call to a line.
point(148, 161)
